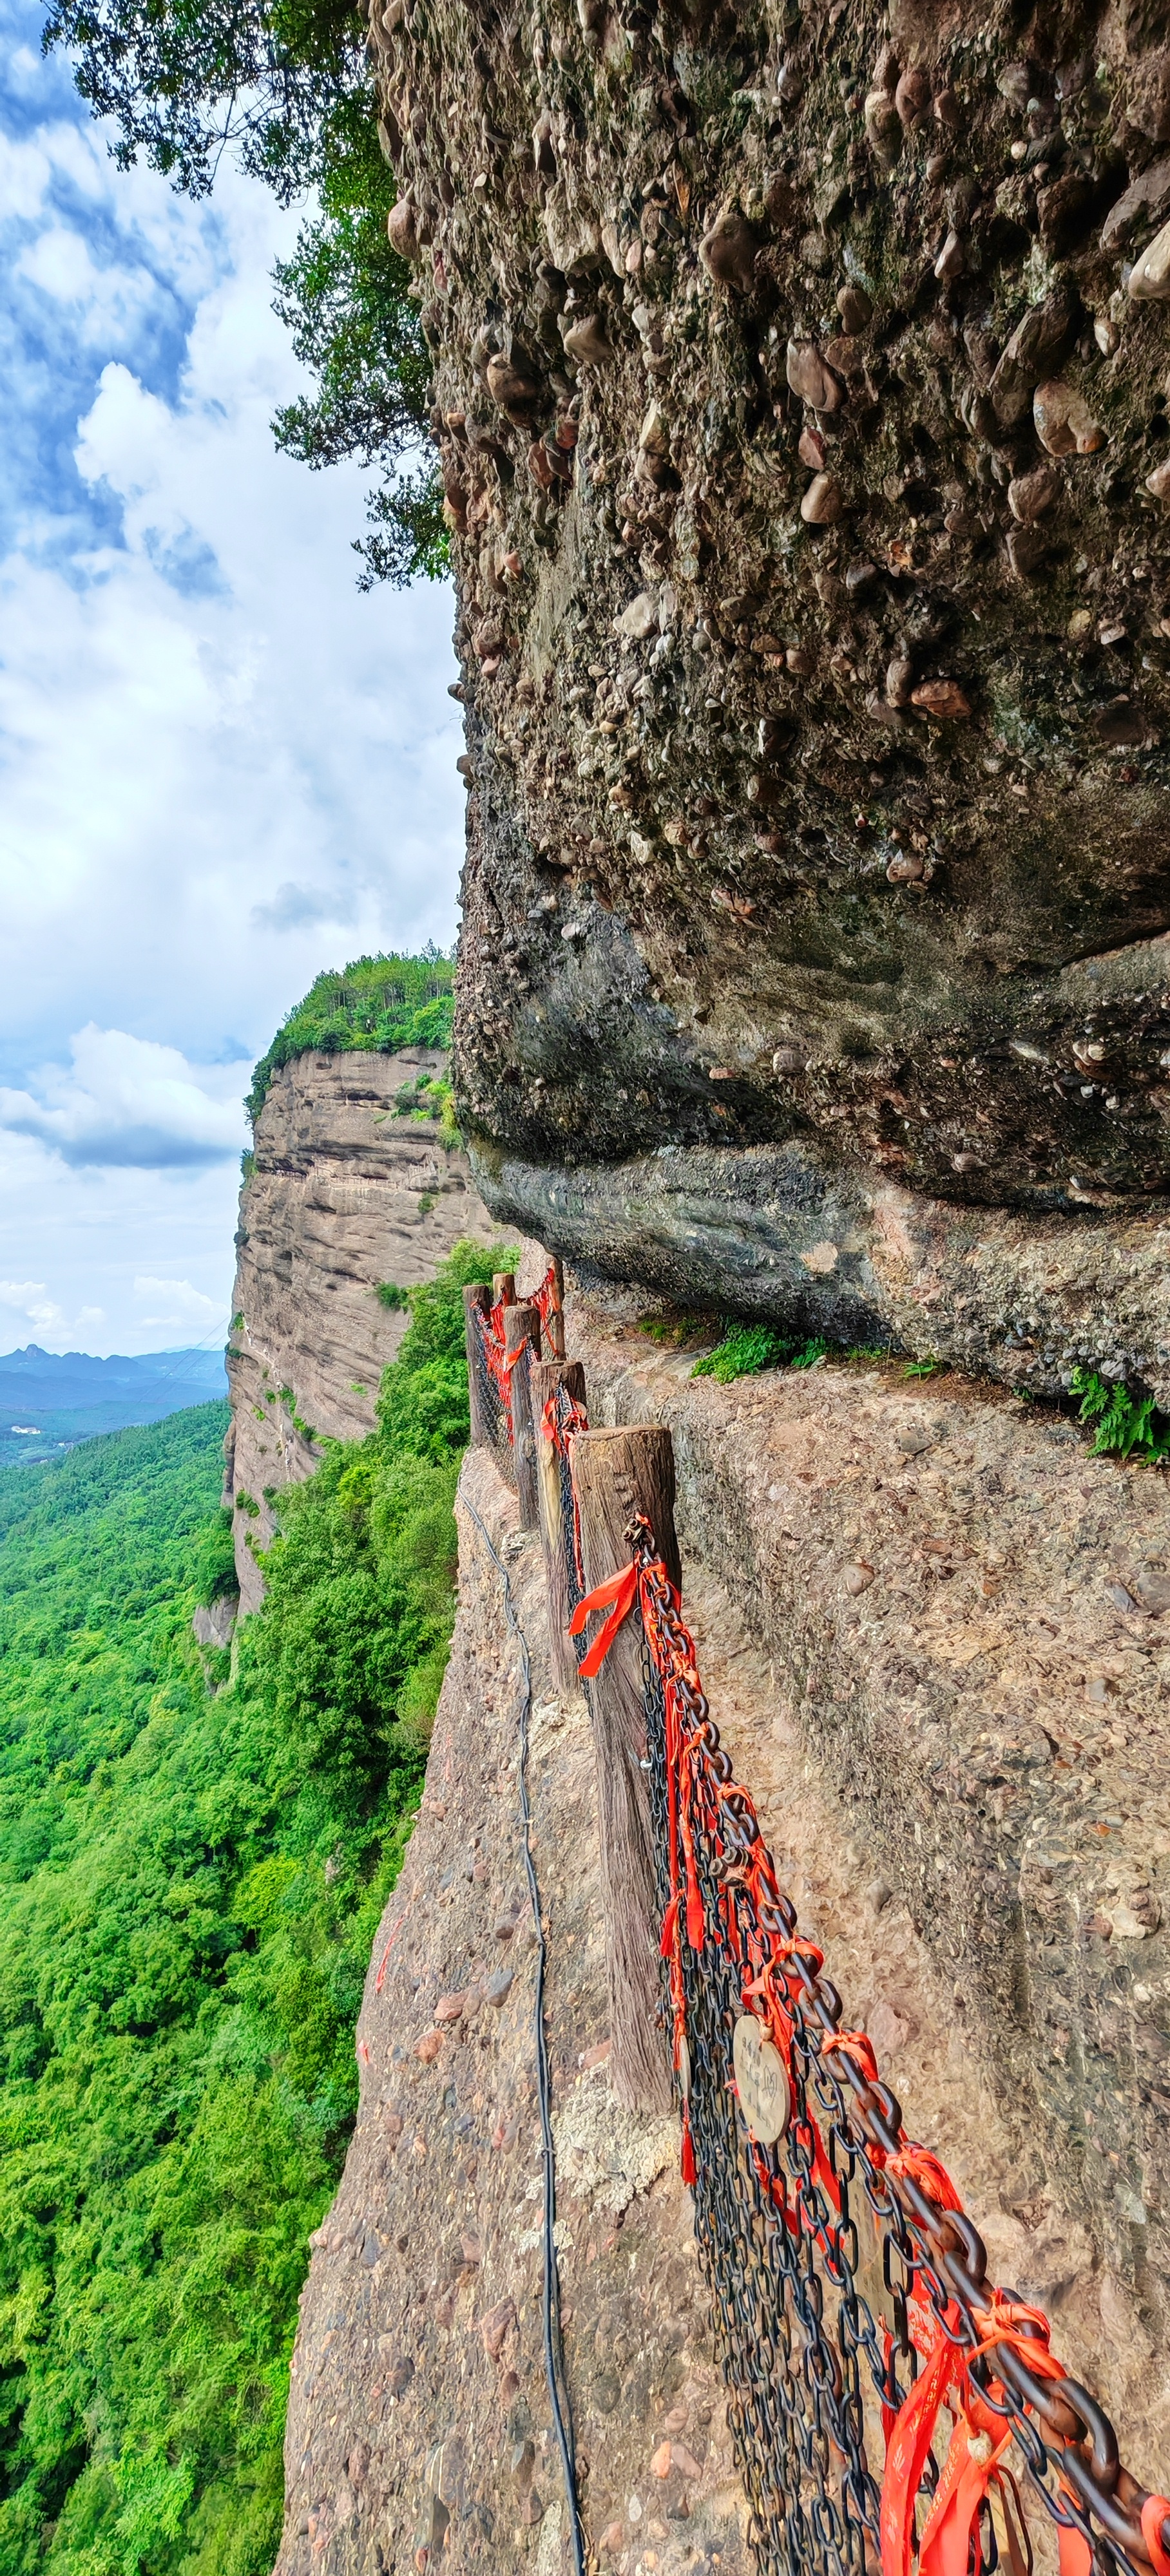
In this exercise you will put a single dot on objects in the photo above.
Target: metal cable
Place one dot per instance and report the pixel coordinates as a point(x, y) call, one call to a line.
point(554, 2359)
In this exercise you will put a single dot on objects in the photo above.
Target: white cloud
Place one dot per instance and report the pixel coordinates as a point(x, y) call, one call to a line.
point(223, 768)
point(27, 1297)
point(113, 301)
point(294, 907)
point(126, 1101)
point(184, 1308)
point(88, 1233)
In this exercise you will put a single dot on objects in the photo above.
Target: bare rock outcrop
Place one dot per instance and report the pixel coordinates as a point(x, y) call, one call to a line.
point(350, 1187)
point(799, 387)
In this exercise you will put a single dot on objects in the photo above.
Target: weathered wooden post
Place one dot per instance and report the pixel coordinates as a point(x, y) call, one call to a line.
point(476, 1302)
point(521, 1326)
point(616, 1473)
point(503, 1287)
point(556, 1315)
point(546, 1376)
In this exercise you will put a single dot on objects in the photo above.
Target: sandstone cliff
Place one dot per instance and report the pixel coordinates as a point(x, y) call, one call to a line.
point(345, 1193)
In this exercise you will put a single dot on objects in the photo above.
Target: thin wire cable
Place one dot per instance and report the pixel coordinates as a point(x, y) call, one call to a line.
point(554, 2359)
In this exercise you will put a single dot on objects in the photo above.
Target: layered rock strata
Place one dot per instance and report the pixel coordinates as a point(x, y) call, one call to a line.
point(931, 1634)
point(1024, 1298)
point(349, 1188)
point(800, 395)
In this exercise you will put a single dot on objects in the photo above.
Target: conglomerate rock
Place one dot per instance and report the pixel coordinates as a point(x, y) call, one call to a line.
point(801, 391)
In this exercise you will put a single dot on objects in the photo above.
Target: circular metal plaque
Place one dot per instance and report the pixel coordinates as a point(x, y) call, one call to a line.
point(764, 2097)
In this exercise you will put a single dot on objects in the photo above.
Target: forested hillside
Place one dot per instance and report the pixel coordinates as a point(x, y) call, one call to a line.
point(191, 1867)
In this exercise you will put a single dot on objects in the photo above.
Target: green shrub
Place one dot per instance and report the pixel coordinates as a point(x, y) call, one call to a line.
point(1128, 1425)
point(747, 1348)
point(388, 1293)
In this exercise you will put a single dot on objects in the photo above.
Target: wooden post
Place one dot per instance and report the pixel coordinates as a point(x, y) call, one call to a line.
point(616, 1473)
point(503, 1288)
point(556, 1316)
point(476, 1302)
point(522, 1325)
point(546, 1376)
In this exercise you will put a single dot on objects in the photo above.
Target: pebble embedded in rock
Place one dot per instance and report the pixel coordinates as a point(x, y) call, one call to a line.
point(640, 620)
point(498, 1988)
point(586, 342)
point(943, 700)
point(1149, 278)
point(811, 378)
point(883, 128)
point(912, 95)
point(1029, 495)
point(823, 502)
point(1152, 1587)
point(855, 308)
point(402, 230)
point(1064, 422)
point(728, 251)
point(451, 2007)
point(516, 393)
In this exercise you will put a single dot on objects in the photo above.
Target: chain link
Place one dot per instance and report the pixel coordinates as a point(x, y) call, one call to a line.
point(820, 2262)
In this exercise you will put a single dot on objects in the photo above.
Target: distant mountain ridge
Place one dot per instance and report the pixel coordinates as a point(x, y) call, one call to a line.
point(49, 1400)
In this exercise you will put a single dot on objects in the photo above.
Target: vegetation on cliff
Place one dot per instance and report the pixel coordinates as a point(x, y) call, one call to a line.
point(189, 1883)
point(381, 1003)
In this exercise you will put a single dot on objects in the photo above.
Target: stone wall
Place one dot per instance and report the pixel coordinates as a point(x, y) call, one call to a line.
point(345, 1193)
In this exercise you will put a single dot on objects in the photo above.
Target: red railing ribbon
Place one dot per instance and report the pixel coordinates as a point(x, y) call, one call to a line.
point(618, 1597)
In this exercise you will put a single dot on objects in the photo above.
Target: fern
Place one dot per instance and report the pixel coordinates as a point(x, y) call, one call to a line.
point(1128, 1425)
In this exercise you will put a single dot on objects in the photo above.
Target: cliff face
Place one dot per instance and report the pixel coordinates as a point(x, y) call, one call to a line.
point(907, 1609)
point(419, 2415)
point(799, 389)
point(345, 1193)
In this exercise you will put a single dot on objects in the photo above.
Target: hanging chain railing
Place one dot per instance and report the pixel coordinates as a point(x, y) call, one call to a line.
point(495, 1388)
point(811, 2201)
point(889, 2408)
point(560, 1422)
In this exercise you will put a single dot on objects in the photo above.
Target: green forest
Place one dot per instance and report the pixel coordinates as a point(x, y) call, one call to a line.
point(193, 1858)
point(378, 1003)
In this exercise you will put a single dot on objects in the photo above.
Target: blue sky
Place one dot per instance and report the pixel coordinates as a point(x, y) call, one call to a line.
point(221, 767)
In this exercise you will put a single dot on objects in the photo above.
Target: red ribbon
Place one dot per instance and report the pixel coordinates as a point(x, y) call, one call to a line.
point(621, 1591)
point(1155, 2512)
